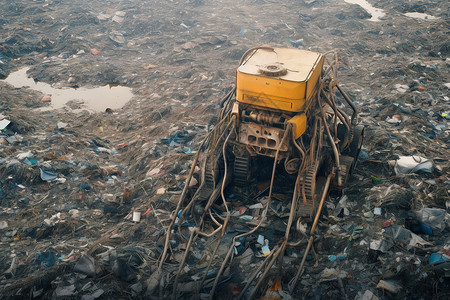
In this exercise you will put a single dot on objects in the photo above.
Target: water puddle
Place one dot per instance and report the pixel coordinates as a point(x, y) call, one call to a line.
point(376, 13)
point(95, 99)
point(421, 16)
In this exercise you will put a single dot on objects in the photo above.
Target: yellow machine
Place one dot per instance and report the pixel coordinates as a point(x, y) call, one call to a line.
point(283, 132)
point(273, 86)
point(283, 108)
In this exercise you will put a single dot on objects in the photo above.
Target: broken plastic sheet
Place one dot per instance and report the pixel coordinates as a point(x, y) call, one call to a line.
point(412, 164)
point(4, 123)
point(404, 236)
point(381, 245)
point(440, 257)
point(342, 208)
point(391, 196)
point(332, 274)
point(86, 265)
point(47, 175)
point(436, 218)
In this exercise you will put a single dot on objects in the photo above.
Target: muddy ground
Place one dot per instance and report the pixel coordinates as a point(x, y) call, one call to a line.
point(179, 59)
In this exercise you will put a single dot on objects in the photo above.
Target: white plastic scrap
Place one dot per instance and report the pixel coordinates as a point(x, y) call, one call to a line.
point(332, 274)
point(3, 224)
point(412, 164)
point(24, 155)
point(389, 286)
point(342, 205)
point(436, 218)
point(401, 88)
point(4, 123)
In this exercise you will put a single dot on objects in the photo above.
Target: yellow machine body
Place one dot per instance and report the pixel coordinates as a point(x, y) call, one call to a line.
point(291, 84)
point(298, 124)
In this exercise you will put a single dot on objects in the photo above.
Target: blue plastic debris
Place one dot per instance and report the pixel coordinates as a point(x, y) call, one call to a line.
point(105, 150)
point(30, 161)
point(186, 150)
point(436, 258)
point(173, 141)
point(342, 256)
point(23, 201)
point(47, 259)
point(85, 186)
point(47, 175)
point(422, 228)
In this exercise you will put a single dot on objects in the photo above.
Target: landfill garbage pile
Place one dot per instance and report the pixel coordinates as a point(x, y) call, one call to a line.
point(87, 196)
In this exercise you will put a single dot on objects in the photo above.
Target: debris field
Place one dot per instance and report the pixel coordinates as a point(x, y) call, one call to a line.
point(88, 194)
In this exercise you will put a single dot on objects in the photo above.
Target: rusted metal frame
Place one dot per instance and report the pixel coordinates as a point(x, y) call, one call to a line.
point(291, 216)
point(198, 232)
point(264, 213)
point(312, 155)
point(180, 268)
point(201, 185)
point(313, 140)
point(335, 151)
point(331, 66)
point(320, 141)
point(293, 282)
point(343, 118)
point(202, 181)
point(293, 204)
point(180, 201)
point(252, 277)
point(224, 203)
point(273, 260)
point(244, 57)
point(350, 102)
point(226, 99)
point(208, 204)
point(347, 124)
point(332, 103)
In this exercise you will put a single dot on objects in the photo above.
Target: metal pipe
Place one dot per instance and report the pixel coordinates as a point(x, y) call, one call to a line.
point(202, 178)
point(224, 203)
point(175, 284)
point(350, 102)
point(335, 151)
point(183, 194)
point(274, 258)
point(254, 274)
point(263, 216)
point(293, 282)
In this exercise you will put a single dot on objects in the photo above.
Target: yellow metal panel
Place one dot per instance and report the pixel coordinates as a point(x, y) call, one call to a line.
point(312, 82)
point(299, 124)
point(270, 92)
point(287, 92)
point(299, 63)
